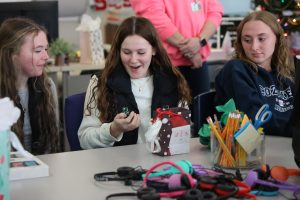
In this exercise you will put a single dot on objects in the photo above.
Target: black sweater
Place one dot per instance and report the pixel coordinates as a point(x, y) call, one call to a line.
point(165, 93)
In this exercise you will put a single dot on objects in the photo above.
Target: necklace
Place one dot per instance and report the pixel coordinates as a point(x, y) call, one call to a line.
point(140, 83)
point(24, 106)
point(24, 109)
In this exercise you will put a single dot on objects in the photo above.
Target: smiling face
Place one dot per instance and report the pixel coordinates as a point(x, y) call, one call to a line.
point(32, 56)
point(136, 55)
point(258, 41)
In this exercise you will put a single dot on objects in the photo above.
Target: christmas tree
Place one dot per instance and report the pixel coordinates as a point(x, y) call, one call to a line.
point(288, 13)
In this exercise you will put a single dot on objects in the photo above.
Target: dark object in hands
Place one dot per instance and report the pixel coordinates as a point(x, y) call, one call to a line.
point(126, 111)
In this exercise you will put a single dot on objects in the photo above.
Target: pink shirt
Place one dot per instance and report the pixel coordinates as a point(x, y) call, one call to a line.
point(170, 16)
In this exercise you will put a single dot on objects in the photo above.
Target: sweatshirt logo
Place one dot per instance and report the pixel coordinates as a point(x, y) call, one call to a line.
point(272, 91)
point(281, 97)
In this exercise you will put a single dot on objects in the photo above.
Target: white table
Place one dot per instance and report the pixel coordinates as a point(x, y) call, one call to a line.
point(71, 173)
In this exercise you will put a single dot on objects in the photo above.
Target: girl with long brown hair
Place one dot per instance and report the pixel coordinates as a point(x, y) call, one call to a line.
point(23, 56)
point(138, 77)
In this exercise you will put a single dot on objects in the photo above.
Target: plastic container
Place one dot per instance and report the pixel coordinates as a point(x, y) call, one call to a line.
point(238, 158)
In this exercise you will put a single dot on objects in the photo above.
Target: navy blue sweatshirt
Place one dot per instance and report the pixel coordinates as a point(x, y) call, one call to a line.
point(251, 89)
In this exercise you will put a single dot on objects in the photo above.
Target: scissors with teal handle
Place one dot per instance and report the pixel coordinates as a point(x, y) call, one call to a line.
point(262, 116)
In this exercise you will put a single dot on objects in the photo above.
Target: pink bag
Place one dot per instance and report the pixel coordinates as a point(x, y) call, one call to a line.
point(85, 48)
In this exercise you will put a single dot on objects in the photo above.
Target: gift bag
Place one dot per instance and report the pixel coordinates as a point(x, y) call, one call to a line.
point(9, 114)
point(170, 132)
point(84, 45)
point(4, 165)
point(91, 41)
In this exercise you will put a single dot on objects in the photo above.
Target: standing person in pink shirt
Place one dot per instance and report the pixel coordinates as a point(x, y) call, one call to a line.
point(184, 27)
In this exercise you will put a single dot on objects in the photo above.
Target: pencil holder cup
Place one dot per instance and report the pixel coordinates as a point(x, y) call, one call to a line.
point(237, 156)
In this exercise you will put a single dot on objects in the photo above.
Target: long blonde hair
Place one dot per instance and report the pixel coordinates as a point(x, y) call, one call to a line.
point(281, 58)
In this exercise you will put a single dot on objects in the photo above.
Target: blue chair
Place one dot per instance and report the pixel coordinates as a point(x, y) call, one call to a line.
point(73, 116)
point(203, 106)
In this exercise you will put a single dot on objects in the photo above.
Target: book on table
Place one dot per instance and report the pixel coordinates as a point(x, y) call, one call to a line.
point(26, 167)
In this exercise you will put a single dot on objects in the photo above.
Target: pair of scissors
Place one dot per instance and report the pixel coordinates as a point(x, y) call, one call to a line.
point(262, 116)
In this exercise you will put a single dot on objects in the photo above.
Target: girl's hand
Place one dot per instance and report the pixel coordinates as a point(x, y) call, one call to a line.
point(122, 123)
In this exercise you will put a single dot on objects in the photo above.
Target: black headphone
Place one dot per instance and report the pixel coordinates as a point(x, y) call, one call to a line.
point(126, 174)
point(221, 185)
point(194, 193)
point(142, 193)
point(173, 186)
point(149, 193)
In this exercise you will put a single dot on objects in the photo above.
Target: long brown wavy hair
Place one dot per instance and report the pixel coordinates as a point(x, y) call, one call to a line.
point(281, 58)
point(13, 32)
point(142, 27)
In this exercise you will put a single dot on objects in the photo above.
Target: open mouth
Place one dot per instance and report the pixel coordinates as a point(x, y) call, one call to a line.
point(135, 67)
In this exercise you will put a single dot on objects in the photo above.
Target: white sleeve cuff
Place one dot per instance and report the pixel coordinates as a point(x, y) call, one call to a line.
point(107, 135)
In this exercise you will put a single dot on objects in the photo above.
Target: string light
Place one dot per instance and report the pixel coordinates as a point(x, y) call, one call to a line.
point(287, 12)
point(298, 4)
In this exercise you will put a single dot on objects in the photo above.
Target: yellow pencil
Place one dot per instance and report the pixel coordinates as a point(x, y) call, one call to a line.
point(220, 140)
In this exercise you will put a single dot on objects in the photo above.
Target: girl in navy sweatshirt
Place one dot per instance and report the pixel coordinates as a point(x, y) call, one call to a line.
point(262, 72)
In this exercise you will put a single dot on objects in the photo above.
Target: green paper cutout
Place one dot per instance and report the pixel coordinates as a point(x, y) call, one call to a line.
point(226, 109)
point(204, 134)
point(204, 131)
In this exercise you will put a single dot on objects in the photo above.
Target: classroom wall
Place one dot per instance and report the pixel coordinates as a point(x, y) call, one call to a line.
point(70, 13)
point(70, 18)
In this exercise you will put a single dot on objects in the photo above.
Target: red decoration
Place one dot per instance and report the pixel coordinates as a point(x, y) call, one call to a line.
point(177, 121)
point(126, 3)
point(161, 112)
point(100, 4)
point(2, 159)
